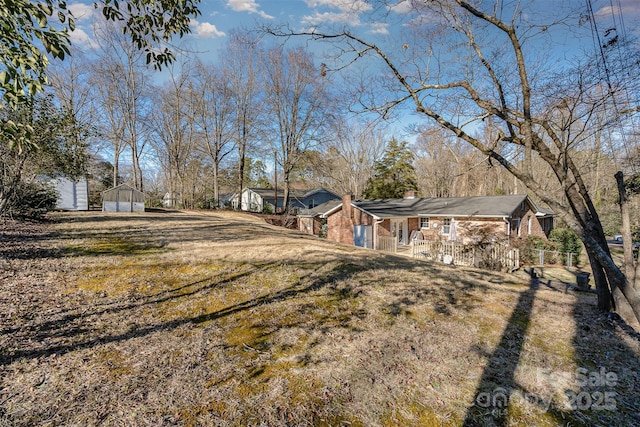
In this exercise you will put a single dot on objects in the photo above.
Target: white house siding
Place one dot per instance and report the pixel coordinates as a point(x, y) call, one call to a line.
point(251, 201)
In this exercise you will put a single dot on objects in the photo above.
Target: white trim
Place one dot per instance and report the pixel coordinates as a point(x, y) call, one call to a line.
point(442, 230)
point(428, 218)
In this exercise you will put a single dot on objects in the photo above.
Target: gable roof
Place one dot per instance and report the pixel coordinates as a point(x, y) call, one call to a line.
point(122, 187)
point(322, 209)
point(480, 206)
point(268, 193)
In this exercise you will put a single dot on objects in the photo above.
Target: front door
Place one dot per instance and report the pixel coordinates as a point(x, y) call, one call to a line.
point(399, 230)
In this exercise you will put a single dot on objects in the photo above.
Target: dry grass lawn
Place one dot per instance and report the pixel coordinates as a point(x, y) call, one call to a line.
point(218, 319)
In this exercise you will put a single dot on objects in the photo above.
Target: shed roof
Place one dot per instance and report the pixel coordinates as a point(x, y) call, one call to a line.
point(481, 206)
point(122, 187)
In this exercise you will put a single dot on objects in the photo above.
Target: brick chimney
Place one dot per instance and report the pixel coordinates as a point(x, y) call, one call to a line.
point(346, 205)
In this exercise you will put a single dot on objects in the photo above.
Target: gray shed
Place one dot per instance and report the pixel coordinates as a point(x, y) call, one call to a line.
point(122, 198)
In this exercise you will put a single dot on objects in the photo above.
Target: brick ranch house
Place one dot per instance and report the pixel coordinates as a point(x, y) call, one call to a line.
point(360, 222)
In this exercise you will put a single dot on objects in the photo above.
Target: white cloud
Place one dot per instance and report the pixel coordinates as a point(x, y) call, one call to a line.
point(205, 30)
point(379, 28)
point(353, 6)
point(625, 8)
point(331, 18)
point(83, 12)
point(403, 7)
point(80, 38)
point(247, 6)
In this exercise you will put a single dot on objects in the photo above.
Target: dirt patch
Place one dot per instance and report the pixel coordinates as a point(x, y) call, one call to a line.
point(197, 318)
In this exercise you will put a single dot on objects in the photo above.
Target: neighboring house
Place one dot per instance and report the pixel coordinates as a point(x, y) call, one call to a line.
point(72, 195)
point(225, 200)
point(360, 222)
point(260, 199)
point(312, 221)
point(167, 200)
point(122, 198)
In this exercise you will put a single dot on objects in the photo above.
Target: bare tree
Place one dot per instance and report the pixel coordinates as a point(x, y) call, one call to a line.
point(498, 72)
point(213, 119)
point(241, 71)
point(355, 146)
point(173, 126)
point(69, 82)
point(122, 85)
point(294, 90)
point(447, 166)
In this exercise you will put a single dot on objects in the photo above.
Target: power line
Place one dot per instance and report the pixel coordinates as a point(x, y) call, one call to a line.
point(600, 49)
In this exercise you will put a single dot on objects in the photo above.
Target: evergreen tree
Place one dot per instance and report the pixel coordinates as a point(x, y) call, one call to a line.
point(394, 175)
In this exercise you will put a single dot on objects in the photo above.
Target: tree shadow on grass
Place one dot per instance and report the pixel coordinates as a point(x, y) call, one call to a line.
point(603, 390)
point(497, 384)
point(55, 327)
point(63, 332)
point(63, 326)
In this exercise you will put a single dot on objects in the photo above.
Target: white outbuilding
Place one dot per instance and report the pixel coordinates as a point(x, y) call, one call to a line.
point(122, 198)
point(72, 195)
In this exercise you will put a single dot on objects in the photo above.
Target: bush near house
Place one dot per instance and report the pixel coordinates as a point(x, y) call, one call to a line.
point(566, 240)
point(530, 246)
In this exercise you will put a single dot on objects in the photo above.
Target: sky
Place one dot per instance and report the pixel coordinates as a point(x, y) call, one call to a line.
point(373, 20)
point(220, 17)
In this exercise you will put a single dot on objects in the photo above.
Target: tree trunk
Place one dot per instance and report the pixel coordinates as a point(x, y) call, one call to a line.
point(241, 156)
point(605, 302)
point(216, 186)
point(617, 280)
point(627, 241)
point(116, 168)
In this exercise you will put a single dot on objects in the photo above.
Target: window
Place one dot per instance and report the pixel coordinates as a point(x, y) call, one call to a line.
point(424, 222)
point(446, 225)
point(529, 225)
point(312, 204)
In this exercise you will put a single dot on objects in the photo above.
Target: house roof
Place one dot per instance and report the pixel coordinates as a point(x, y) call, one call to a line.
point(481, 206)
point(267, 193)
point(322, 209)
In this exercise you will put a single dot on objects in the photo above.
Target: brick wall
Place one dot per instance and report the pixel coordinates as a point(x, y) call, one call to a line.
point(340, 223)
point(525, 213)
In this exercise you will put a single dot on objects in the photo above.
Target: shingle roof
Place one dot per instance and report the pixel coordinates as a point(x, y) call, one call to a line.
point(482, 206)
point(299, 194)
point(321, 209)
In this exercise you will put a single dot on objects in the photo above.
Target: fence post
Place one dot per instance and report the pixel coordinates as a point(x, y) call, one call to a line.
point(541, 257)
point(570, 259)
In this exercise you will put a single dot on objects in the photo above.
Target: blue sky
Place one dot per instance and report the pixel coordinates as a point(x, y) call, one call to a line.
point(373, 20)
point(220, 17)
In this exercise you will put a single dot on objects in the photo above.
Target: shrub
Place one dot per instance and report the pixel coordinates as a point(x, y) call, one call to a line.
point(32, 200)
point(530, 247)
point(536, 242)
point(567, 241)
point(267, 209)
